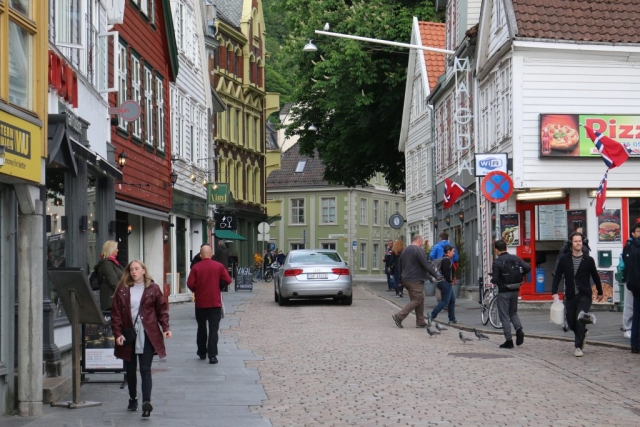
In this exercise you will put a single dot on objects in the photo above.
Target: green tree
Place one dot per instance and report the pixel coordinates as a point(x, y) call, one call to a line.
point(353, 92)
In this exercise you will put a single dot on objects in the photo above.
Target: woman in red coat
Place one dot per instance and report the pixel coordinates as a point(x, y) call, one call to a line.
point(138, 303)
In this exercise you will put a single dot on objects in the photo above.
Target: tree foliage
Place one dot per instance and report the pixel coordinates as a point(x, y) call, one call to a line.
point(353, 92)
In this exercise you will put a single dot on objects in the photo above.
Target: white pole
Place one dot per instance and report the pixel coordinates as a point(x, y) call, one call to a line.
point(390, 43)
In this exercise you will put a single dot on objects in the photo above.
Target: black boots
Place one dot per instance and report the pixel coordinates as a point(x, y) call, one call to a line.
point(519, 336)
point(507, 344)
point(133, 404)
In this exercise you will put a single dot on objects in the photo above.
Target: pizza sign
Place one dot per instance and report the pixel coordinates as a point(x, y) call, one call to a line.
point(562, 136)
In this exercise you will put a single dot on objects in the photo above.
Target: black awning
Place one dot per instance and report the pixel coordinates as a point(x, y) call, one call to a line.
point(109, 169)
point(83, 152)
point(59, 146)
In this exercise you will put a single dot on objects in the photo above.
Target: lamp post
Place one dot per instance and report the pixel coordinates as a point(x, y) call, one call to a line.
point(310, 47)
point(122, 159)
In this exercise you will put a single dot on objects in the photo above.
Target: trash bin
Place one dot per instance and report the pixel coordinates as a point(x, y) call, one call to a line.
point(541, 279)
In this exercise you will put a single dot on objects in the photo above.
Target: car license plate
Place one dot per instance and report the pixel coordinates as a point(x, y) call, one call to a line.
point(316, 276)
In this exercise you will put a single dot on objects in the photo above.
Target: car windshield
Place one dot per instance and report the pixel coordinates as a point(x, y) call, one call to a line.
point(315, 258)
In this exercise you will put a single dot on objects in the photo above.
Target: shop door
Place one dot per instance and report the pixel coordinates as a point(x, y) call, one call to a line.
point(527, 248)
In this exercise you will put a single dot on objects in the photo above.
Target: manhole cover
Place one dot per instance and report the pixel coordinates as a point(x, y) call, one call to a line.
point(480, 355)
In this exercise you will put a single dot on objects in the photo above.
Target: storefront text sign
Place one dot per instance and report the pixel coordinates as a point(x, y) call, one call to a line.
point(63, 79)
point(487, 163)
point(462, 110)
point(218, 195)
point(22, 142)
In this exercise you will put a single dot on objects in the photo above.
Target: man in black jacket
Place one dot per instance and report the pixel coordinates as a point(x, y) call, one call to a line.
point(508, 292)
point(632, 275)
point(577, 268)
point(413, 269)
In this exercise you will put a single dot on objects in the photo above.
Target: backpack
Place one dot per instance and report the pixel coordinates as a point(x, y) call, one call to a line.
point(94, 280)
point(436, 264)
point(511, 273)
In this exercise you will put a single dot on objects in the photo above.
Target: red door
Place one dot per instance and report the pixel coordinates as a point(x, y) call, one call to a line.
point(527, 248)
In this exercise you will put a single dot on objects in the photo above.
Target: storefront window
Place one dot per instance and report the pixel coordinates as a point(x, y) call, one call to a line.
point(20, 66)
point(181, 254)
point(634, 211)
point(56, 226)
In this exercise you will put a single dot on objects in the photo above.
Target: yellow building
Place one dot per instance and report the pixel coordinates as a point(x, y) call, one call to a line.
point(23, 136)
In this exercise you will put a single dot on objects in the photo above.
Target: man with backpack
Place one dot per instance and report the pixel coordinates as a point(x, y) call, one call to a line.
point(508, 272)
point(445, 284)
point(437, 253)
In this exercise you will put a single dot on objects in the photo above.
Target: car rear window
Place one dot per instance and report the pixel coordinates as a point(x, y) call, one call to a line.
point(315, 258)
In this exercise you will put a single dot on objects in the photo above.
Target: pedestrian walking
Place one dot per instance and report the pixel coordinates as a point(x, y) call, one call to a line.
point(577, 268)
point(205, 279)
point(446, 288)
point(139, 311)
point(396, 251)
point(632, 274)
point(413, 268)
point(280, 257)
point(196, 259)
point(222, 256)
point(110, 272)
point(388, 267)
point(627, 313)
point(437, 252)
point(508, 272)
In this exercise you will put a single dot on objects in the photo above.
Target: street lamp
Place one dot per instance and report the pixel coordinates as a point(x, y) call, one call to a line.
point(310, 47)
point(312, 128)
point(122, 159)
point(173, 177)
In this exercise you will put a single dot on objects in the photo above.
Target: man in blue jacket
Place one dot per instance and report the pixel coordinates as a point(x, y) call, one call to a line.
point(437, 251)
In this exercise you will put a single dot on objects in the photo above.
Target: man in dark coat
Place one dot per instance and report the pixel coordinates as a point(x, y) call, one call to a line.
point(222, 256)
point(632, 275)
point(576, 267)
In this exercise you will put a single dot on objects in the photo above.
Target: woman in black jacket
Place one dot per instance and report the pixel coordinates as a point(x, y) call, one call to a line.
point(577, 268)
point(109, 271)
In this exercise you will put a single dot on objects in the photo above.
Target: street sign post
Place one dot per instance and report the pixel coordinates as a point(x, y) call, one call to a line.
point(497, 186)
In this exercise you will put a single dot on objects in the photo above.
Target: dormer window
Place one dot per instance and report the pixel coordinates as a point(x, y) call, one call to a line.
point(301, 165)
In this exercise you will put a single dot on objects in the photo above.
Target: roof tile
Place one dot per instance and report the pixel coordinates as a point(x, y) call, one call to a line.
point(605, 21)
point(433, 34)
point(286, 177)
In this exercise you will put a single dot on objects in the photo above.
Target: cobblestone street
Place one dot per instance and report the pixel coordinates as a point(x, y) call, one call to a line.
point(333, 365)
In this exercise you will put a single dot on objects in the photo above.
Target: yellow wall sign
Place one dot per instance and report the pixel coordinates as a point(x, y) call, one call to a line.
point(22, 141)
point(218, 196)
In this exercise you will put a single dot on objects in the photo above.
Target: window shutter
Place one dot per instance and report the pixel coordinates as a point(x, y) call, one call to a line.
point(103, 61)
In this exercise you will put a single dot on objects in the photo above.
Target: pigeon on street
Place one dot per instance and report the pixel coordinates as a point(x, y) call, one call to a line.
point(431, 332)
point(440, 327)
point(463, 338)
point(480, 335)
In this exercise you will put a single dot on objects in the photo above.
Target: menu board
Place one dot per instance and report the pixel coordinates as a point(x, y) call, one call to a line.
point(510, 228)
point(552, 222)
point(98, 344)
point(606, 279)
point(244, 279)
point(609, 226)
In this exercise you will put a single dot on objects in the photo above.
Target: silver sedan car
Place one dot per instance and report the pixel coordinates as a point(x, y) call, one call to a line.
point(313, 273)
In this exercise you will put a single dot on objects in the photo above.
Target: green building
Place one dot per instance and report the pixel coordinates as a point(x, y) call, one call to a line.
point(315, 214)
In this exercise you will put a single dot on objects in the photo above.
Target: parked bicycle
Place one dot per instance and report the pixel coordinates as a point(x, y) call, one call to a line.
point(270, 271)
point(257, 272)
point(490, 305)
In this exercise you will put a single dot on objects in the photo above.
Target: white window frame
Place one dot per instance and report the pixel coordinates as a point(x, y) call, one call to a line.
point(376, 212)
point(326, 214)
point(363, 255)
point(374, 256)
point(409, 173)
point(160, 113)
point(386, 214)
point(331, 246)
point(123, 71)
point(297, 212)
point(148, 105)
point(136, 93)
point(296, 246)
point(61, 9)
point(364, 212)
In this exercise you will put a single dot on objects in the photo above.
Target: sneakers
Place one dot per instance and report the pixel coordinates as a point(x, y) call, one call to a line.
point(588, 318)
point(397, 320)
point(454, 322)
point(578, 352)
point(133, 404)
point(398, 296)
point(519, 336)
point(429, 319)
point(146, 409)
point(390, 290)
point(627, 334)
point(507, 344)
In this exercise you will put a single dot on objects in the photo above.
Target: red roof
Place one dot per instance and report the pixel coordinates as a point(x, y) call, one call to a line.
point(607, 21)
point(432, 34)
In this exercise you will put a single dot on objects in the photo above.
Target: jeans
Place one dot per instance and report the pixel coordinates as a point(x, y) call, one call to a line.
point(210, 317)
point(145, 371)
point(508, 312)
point(396, 283)
point(574, 306)
point(416, 302)
point(448, 300)
point(635, 322)
point(390, 282)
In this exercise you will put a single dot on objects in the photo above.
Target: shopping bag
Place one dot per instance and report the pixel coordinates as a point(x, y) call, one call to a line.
point(557, 312)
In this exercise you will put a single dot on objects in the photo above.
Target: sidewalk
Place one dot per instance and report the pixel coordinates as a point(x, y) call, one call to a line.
point(535, 322)
point(187, 391)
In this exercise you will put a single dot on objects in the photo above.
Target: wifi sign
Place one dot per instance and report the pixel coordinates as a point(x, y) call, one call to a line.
point(486, 163)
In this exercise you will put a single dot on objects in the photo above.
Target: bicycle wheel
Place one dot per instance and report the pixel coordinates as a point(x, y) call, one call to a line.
point(256, 276)
point(486, 300)
point(494, 317)
point(268, 276)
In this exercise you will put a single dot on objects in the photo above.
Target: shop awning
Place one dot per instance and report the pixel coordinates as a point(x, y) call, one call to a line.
point(228, 235)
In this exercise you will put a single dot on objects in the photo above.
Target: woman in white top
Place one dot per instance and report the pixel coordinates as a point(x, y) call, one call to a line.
point(140, 305)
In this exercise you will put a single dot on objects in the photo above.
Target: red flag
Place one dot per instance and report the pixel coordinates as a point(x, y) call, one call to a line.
point(452, 192)
point(613, 153)
point(601, 194)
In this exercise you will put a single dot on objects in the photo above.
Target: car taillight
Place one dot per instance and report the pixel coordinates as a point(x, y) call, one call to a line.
point(293, 272)
point(340, 271)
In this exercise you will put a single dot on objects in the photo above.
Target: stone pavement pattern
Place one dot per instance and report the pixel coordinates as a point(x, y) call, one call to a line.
point(332, 365)
point(186, 392)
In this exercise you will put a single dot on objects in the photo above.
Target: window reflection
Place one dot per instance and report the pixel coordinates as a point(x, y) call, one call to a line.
point(22, 6)
point(20, 65)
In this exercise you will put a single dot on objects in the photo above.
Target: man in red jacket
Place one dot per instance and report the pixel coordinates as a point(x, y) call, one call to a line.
point(204, 280)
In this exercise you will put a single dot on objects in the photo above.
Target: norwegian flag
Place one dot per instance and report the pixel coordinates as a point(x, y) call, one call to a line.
point(601, 194)
point(452, 192)
point(613, 153)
